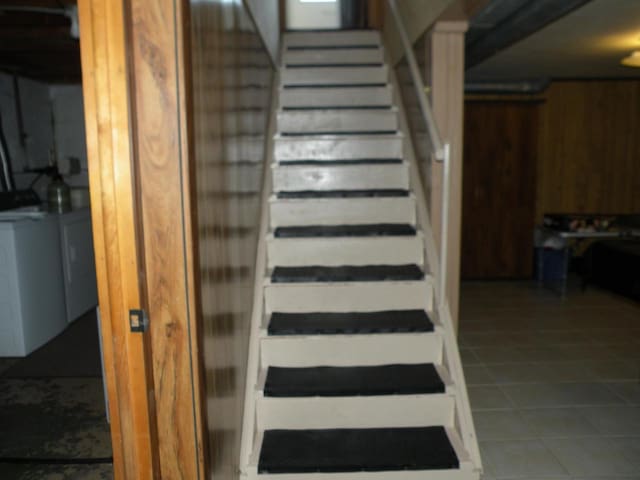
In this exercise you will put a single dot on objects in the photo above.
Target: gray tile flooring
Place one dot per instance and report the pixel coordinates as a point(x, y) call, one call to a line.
point(554, 383)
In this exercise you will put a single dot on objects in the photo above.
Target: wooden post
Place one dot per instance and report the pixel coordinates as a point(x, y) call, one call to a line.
point(445, 68)
point(136, 92)
point(115, 232)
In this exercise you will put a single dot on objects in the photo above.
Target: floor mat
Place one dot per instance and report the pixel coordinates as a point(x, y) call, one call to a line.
point(55, 418)
point(73, 353)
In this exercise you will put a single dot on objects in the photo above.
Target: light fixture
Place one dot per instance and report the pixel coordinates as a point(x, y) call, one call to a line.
point(633, 60)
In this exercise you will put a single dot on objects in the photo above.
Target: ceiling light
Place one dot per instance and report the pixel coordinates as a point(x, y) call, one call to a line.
point(633, 60)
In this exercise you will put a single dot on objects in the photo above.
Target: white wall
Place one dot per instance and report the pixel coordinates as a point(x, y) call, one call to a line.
point(267, 18)
point(40, 102)
point(313, 14)
point(36, 113)
point(68, 112)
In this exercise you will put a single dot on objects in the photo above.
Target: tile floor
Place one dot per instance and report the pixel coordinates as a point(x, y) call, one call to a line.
point(554, 383)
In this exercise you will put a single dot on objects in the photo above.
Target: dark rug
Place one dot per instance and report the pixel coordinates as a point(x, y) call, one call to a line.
point(53, 420)
point(73, 353)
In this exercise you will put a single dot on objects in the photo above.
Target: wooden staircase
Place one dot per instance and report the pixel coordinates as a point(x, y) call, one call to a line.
point(350, 368)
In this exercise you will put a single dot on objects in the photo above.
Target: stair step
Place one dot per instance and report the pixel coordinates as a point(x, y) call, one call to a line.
point(338, 38)
point(332, 211)
point(349, 350)
point(373, 411)
point(353, 381)
point(351, 450)
point(336, 97)
point(341, 162)
point(338, 147)
point(332, 56)
point(337, 121)
point(377, 193)
point(340, 177)
point(368, 273)
point(351, 323)
point(370, 230)
point(336, 251)
point(334, 76)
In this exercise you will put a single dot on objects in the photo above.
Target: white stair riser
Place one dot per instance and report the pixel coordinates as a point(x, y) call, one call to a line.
point(289, 252)
point(340, 177)
point(332, 147)
point(333, 56)
point(312, 39)
point(342, 211)
point(319, 121)
point(350, 350)
point(334, 76)
point(355, 412)
point(335, 97)
point(349, 297)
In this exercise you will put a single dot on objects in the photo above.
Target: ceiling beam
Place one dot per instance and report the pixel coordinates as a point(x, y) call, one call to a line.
point(514, 20)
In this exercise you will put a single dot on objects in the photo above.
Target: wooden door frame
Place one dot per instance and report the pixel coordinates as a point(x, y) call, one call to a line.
point(136, 95)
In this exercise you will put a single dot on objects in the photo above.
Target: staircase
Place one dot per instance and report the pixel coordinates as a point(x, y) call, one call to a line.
point(350, 366)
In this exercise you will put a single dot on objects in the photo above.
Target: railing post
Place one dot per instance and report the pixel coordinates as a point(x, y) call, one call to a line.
point(444, 221)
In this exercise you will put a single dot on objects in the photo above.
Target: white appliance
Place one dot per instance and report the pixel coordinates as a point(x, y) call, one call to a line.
point(32, 296)
point(47, 276)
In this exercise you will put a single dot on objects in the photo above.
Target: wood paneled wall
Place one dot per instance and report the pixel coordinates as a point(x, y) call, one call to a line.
point(590, 148)
point(587, 161)
point(232, 77)
point(499, 189)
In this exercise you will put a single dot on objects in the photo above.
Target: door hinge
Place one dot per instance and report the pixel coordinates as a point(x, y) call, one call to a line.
point(138, 320)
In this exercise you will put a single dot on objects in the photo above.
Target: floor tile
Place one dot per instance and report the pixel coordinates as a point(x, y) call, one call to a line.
point(501, 425)
point(618, 420)
point(591, 456)
point(477, 375)
point(560, 394)
point(521, 458)
point(557, 422)
point(630, 391)
point(488, 397)
point(468, 357)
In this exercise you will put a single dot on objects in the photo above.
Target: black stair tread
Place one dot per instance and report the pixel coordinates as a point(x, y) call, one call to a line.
point(353, 381)
point(333, 65)
point(345, 133)
point(340, 107)
point(354, 161)
point(339, 323)
point(366, 46)
point(346, 273)
point(362, 230)
point(288, 86)
point(388, 192)
point(356, 450)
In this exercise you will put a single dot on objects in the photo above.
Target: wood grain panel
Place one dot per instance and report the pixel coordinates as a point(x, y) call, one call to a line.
point(160, 86)
point(126, 355)
point(590, 148)
point(499, 186)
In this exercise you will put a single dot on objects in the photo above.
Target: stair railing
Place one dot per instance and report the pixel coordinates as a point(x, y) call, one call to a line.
point(441, 152)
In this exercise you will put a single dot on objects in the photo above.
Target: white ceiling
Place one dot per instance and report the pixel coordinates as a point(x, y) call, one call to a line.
point(587, 43)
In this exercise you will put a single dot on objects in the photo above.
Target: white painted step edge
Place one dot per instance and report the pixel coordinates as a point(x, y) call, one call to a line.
point(336, 251)
point(382, 411)
point(340, 177)
point(341, 211)
point(349, 296)
point(348, 350)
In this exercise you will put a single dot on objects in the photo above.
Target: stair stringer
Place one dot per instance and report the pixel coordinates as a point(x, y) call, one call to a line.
point(441, 312)
point(249, 420)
